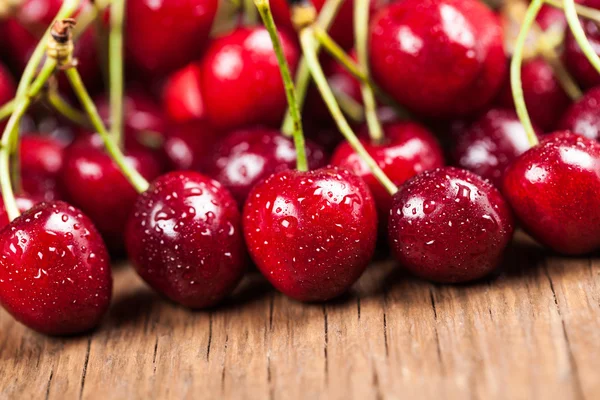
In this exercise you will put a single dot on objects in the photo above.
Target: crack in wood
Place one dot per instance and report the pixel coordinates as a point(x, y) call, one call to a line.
point(271, 308)
point(376, 385)
point(358, 306)
point(437, 337)
point(210, 331)
point(154, 355)
point(326, 343)
point(85, 366)
point(49, 384)
point(385, 337)
point(224, 358)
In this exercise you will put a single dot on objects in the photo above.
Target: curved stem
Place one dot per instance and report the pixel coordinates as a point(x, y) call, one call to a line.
point(264, 10)
point(324, 20)
point(579, 34)
point(515, 71)
point(115, 49)
point(307, 41)
point(566, 81)
point(84, 20)
point(585, 12)
point(361, 26)
point(60, 105)
point(351, 108)
point(7, 109)
point(133, 176)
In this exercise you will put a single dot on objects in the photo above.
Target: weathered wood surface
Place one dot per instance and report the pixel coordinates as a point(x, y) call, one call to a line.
point(532, 332)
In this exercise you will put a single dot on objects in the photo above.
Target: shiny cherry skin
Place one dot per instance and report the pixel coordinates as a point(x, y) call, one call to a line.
point(94, 183)
point(24, 203)
point(55, 274)
point(545, 98)
point(246, 157)
point(575, 60)
point(409, 149)
point(439, 58)
point(490, 144)
point(188, 145)
point(41, 159)
point(241, 83)
point(554, 189)
point(181, 95)
point(7, 86)
point(449, 225)
point(311, 234)
point(165, 35)
point(184, 239)
point(583, 117)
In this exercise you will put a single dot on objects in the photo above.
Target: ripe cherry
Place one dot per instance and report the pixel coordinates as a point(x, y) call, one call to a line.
point(7, 86)
point(55, 275)
point(583, 117)
point(165, 35)
point(409, 149)
point(449, 225)
point(41, 159)
point(24, 203)
point(554, 189)
point(181, 95)
point(188, 145)
point(575, 60)
point(184, 239)
point(489, 145)
point(311, 234)
point(246, 157)
point(241, 83)
point(94, 183)
point(439, 58)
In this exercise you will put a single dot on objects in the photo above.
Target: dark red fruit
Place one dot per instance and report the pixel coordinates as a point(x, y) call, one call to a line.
point(188, 145)
point(184, 239)
point(311, 234)
point(246, 157)
point(41, 159)
point(165, 35)
point(439, 58)
point(241, 83)
point(94, 183)
point(491, 144)
point(182, 97)
point(554, 189)
point(576, 61)
point(409, 149)
point(544, 96)
point(24, 203)
point(7, 86)
point(55, 275)
point(449, 225)
point(583, 117)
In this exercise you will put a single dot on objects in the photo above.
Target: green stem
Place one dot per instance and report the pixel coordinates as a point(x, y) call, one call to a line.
point(264, 10)
point(515, 71)
point(134, 177)
point(324, 20)
point(351, 108)
point(93, 14)
point(307, 41)
point(579, 34)
point(361, 26)
point(566, 81)
point(7, 109)
point(60, 105)
point(585, 12)
point(115, 48)
point(250, 16)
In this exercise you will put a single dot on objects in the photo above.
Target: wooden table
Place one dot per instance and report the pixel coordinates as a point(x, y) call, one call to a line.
point(532, 332)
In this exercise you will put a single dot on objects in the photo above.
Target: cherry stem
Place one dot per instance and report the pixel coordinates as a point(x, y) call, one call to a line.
point(7, 109)
point(115, 48)
point(133, 176)
point(584, 11)
point(515, 71)
point(308, 43)
point(351, 108)
point(60, 105)
point(324, 20)
point(566, 81)
point(579, 34)
point(250, 17)
point(361, 26)
point(90, 16)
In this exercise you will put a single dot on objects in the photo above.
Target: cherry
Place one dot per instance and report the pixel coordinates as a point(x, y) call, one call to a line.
point(583, 117)
point(449, 225)
point(184, 239)
point(241, 83)
point(93, 182)
point(409, 150)
point(311, 234)
point(439, 58)
point(489, 145)
point(41, 159)
point(188, 145)
point(246, 157)
point(554, 189)
point(182, 97)
point(165, 35)
point(55, 275)
point(7, 86)
point(24, 203)
point(575, 60)
point(545, 98)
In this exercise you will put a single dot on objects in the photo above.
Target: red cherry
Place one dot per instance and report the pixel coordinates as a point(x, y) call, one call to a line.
point(94, 183)
point(241, 83)
point(188, 145)
point(182, 97)
point(489, 145)
point(583, 117)
point(544, 96)
point(554, 189)
point(162, 36)
point(55, 275)
point(7, 86)
point(552, 18)
point(409, 150)
point(439, 58)
point(24, 203)
point(449, 225)
point(575, 60)
point(184, 239)
point(311, 234)
point(246, 157)
point(41, 159)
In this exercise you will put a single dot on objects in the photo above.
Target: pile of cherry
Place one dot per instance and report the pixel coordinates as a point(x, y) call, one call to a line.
point(202, 125)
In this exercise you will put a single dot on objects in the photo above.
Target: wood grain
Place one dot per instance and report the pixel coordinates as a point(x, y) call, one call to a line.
point(531, 332)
